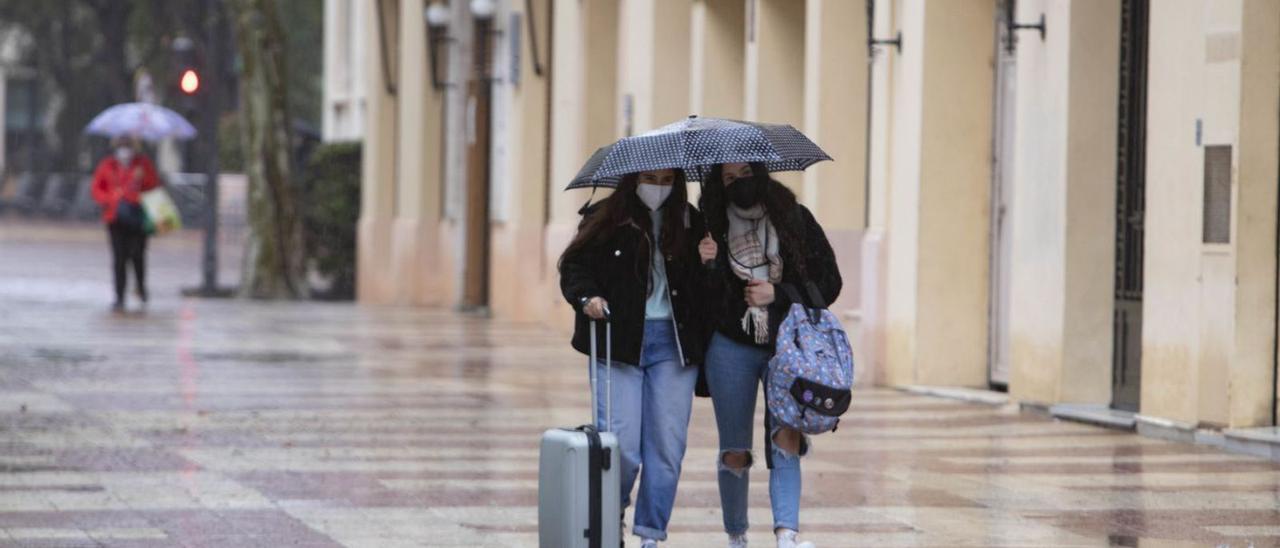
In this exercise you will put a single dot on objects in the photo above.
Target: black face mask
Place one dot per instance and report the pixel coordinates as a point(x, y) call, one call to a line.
point(745, 193)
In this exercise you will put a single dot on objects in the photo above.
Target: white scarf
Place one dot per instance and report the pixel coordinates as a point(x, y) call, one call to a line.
point(753, 255)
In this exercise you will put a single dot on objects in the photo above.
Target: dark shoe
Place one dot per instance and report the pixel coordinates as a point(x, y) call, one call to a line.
point(118, 306)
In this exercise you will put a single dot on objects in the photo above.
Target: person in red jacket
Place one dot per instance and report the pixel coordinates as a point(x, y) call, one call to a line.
point(118, 184)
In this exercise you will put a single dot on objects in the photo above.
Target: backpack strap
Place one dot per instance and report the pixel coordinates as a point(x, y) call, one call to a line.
point(815, 297)
point(794, 295)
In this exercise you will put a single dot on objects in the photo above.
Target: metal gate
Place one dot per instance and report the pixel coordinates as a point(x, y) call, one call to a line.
point(1131, 155)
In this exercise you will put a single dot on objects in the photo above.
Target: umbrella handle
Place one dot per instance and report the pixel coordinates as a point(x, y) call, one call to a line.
point(709, 264)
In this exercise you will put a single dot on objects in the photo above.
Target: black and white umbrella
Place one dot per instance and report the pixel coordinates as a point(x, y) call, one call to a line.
point(695, 143)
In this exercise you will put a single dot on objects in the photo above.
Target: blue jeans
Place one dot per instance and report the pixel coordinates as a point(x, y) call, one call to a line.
point(651, 406)
point(735, 372)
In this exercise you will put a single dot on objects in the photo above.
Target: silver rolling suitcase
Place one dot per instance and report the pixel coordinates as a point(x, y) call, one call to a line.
point(579, 481)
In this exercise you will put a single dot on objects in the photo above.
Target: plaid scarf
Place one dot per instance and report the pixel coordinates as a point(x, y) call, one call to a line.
point(753, 255)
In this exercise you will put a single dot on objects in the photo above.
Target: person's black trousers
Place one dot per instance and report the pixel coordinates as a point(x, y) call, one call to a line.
point(128, 245)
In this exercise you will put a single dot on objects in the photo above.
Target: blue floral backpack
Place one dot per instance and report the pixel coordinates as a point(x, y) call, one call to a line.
point(811, 373)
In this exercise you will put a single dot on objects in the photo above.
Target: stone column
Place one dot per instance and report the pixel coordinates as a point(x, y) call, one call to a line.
point(1250, 389)
point(335, 65)
point(377, 177)
point(1063, 214)
point(519, 281)
point(774, 75)
point(1208, 307)
point(835, 117)
point(583, 117)
point(1175, 258)
point(717, 53)
point(419, 156)
point(938, 224)
point(873, 293)
point(653, 63)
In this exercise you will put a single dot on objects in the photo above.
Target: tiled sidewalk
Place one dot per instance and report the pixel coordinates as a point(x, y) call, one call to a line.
point(242, 424)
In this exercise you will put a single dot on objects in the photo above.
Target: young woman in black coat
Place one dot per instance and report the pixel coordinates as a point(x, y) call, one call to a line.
point(766, 241)
point(637, 258)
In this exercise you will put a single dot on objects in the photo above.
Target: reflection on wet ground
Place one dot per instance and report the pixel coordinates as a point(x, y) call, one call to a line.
point(227, 423)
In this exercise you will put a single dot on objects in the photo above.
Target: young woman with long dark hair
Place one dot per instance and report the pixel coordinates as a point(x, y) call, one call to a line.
point(637, 258)
point(765, 240)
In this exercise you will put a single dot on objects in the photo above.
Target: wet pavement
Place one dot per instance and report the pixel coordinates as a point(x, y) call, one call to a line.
point(244, 424)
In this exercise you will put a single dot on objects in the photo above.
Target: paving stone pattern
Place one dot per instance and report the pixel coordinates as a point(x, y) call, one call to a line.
point(246, 424)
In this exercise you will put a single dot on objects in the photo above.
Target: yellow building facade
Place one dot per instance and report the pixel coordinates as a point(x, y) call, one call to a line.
point(1074, 201)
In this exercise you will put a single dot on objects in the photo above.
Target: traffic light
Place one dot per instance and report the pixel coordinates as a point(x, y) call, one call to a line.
point(184, 92)
point(190, 82)
point(186, 66)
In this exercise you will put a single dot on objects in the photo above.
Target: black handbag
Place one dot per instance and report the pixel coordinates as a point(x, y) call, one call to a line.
point(130, 214)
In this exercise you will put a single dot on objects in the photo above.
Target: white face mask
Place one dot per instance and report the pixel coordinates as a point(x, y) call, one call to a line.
point(653, 195)
point(124, 154)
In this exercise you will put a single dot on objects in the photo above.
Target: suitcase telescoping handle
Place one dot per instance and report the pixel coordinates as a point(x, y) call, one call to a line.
point(608, 373)
point(599, 457)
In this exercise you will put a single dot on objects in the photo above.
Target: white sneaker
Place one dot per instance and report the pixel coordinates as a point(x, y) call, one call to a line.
point(738, 541)
point(787, 539)
point(648, 543)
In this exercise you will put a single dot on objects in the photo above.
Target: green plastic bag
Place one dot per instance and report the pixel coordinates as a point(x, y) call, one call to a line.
point(161, 213)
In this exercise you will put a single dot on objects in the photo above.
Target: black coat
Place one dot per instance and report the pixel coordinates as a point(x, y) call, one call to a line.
point(725, 300)
point(618, 271)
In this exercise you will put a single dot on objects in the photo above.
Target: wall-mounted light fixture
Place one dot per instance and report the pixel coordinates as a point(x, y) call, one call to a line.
point(1012, 26)
point(873, 43)
point(482, 12)
point(437, 18)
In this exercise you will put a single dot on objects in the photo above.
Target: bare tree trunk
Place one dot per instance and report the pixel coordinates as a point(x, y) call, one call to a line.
point(274, 262)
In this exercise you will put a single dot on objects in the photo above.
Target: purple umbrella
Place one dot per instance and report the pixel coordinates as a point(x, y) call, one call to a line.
point(146, 120)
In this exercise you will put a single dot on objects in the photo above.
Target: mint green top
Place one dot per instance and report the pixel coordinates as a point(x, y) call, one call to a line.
point(658, 305)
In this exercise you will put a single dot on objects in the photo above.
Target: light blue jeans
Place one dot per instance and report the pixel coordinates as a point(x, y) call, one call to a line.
point(735, 372)
point(651, 407)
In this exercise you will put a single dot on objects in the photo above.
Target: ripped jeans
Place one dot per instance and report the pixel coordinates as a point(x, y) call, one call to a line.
point(735, 372)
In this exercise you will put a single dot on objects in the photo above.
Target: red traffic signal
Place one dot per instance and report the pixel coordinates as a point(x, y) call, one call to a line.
point(190, 82)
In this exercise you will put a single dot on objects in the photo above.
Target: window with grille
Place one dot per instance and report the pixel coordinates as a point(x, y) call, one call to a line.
point(1217, 194)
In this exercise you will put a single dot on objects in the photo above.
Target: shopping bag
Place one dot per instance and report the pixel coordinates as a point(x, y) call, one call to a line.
point(162, 213)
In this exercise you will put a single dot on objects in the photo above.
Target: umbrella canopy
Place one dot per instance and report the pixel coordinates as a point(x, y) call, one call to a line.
point(146, 120)
point(694, 143)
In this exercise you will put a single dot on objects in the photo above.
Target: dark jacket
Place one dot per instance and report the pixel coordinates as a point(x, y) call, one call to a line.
point(619, 272)
point(725, 300)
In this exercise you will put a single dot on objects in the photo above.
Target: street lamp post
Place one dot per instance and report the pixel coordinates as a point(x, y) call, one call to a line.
point(204, 87)
point(209, 126)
